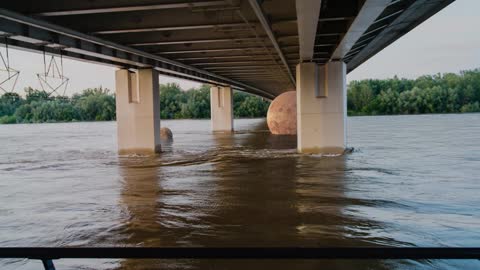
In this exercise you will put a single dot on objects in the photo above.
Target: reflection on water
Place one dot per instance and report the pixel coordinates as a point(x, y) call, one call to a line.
point(240, 194)
point(245, 189)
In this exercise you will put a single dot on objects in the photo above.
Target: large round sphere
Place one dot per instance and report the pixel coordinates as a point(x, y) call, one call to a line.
point(166, 134)
point(282, 114)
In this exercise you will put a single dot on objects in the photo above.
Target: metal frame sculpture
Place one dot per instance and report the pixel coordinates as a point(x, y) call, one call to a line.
point(5, 68)
point(52, 72)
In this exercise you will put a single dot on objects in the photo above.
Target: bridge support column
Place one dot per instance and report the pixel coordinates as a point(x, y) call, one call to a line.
point(221, 108)
point(321, 108)
point(138, 111)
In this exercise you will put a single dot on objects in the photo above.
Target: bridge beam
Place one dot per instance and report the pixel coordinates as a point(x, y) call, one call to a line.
point(138, 111)
point(131, 8)
point(321, 108)
point(221, 109)
point(308, 13)
point(370, 11)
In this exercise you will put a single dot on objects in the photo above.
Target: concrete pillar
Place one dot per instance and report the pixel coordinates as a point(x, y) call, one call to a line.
point(221, 108)
point(138, 111)
point(321, 108)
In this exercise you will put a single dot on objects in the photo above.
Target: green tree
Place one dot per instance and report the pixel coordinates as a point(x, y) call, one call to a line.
point(471, 107)
point(251, 106)
point(197, 104)
point(9, 102)
point(439, 93)
point(171, 100)
point(94, 105)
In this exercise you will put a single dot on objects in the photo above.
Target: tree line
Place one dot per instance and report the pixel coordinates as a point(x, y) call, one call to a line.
point(440, 93)
point(98, 104)
point(37, 106)
point(195, 103)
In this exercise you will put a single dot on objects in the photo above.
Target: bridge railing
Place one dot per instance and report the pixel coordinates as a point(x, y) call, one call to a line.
point(47, 254)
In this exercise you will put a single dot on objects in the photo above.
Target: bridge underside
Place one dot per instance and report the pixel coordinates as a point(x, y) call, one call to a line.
point(261, 47)
point(249, 45)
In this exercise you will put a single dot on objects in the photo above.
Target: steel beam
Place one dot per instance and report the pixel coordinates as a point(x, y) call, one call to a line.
point(261, 73)
point(369, 12)
point(259, 78)
point(252, 74)
point(22, 45)
point(228, 38)
point(256, 57)
point(168, 28)
point(32, 30)
point(192, 4)
point(235, 254)
point(322, 19)
point(200, 26)
point(248, 72)
point(159, 43)
point(418, 12)
point(239, 67)
point(213, 50)
point(266, 26)
point(233, 63)
point(308, 13)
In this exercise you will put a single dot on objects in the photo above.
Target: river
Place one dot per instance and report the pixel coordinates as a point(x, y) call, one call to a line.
point(411, 181)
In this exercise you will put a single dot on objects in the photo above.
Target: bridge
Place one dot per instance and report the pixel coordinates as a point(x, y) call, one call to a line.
point(260, 47)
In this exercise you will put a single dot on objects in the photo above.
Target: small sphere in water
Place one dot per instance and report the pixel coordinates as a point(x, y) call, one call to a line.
point(282, 114)
point(166, 134)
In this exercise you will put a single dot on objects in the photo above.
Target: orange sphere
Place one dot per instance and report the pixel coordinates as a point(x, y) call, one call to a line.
point(282, 114)
point(166, 134)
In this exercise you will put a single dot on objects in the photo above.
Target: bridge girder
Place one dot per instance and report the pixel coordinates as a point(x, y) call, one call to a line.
point(214, 41)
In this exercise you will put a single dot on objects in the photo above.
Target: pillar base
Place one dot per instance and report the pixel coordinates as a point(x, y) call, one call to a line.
point(140, 151)
point(323, 150)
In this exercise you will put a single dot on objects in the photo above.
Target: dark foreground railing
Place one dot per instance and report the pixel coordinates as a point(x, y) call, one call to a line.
point(47, 255)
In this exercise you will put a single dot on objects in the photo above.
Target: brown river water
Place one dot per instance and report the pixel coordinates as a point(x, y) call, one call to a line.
point(411, 181)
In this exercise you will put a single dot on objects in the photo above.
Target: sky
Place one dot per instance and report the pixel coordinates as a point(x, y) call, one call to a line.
point(447, 42)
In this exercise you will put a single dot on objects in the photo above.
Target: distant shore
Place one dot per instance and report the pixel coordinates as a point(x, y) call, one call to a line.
point(432, 94)
point(98, 104)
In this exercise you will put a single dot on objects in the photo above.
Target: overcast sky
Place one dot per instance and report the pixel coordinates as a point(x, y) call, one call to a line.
point(447, 42)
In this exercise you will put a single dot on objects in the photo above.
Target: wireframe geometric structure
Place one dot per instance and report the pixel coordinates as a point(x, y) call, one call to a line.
point(8, 75)
point(52, 79)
